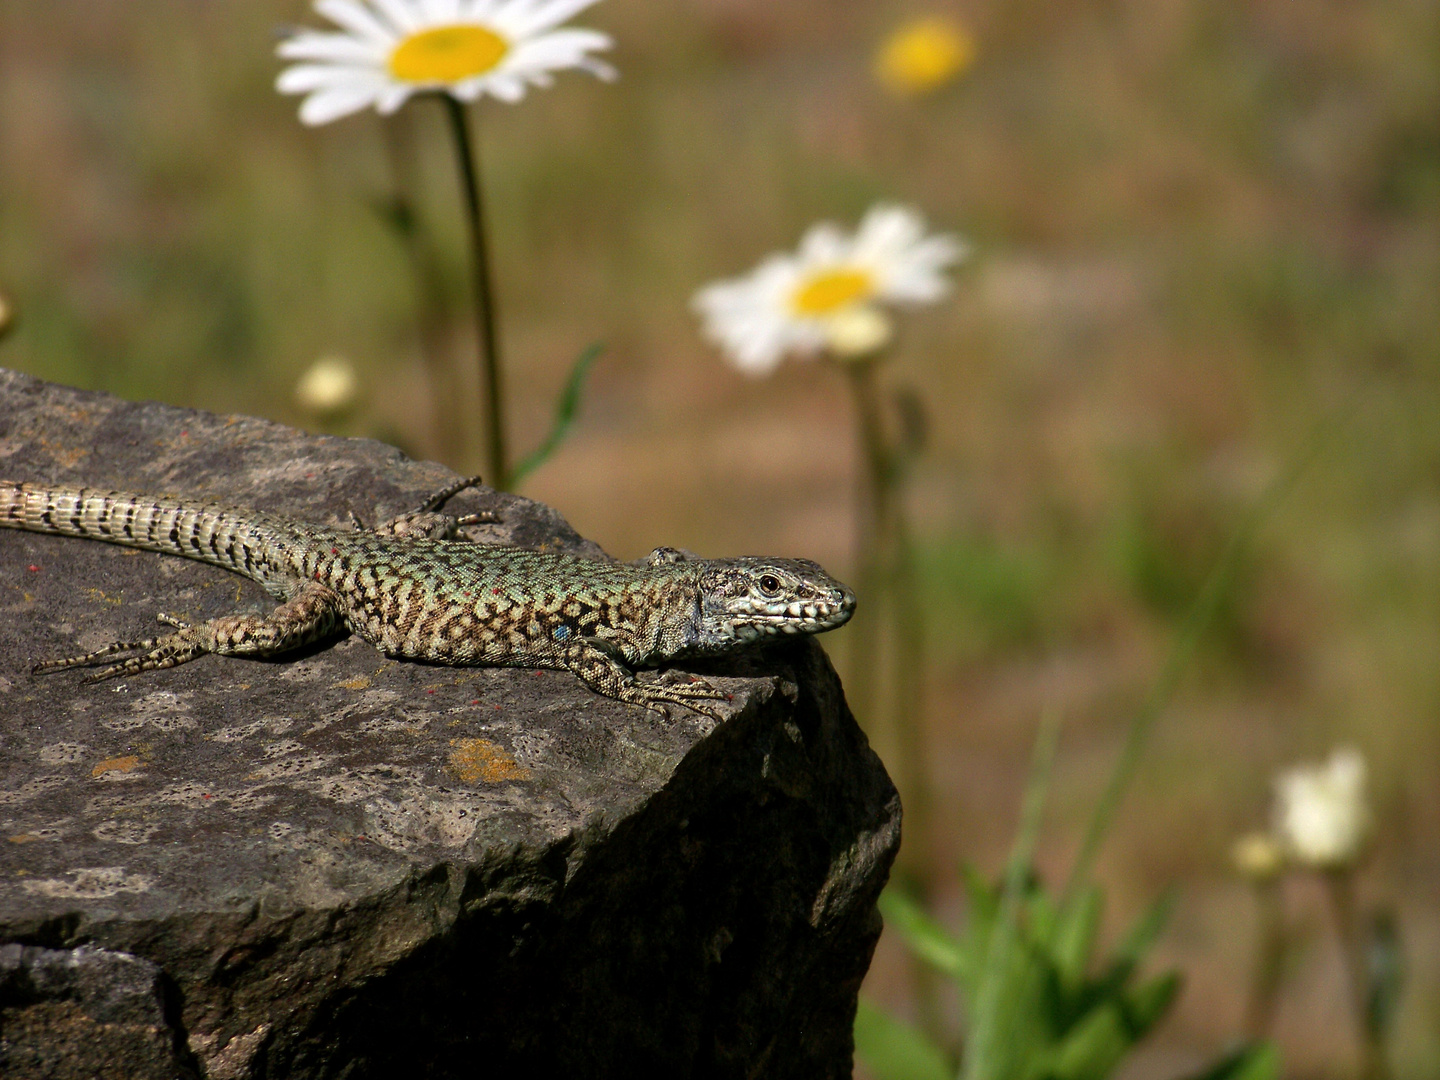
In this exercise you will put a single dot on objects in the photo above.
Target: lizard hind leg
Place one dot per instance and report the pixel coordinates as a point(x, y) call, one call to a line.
point(440, 498)
point(427, 520)
point(313, 613)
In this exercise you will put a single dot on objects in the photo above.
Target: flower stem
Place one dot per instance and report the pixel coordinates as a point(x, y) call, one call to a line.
point(885, 582)
point(872, 527)
point(1340, 887)
point(1269, 960)
point(485, 320)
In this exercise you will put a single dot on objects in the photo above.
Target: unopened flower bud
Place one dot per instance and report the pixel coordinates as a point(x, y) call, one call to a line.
point(858, 332)
point(329, 388)
point(1258, 856)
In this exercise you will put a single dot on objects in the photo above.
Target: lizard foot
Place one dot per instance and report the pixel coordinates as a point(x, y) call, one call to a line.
point(166, 651)
point(427, 520)
point(660, 696)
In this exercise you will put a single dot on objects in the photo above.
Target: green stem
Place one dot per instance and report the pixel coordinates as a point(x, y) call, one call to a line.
point(485, 320)
point(908, 715)
point(884, 583)
point(872, 525)
point(1269, 960)
point(908, 709)
point(1340, 887)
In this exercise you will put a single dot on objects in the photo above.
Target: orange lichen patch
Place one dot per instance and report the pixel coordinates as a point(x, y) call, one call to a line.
point(483, 760)
point(127, 763)
point(68, 456)
point(21, 838)
point(360, 682)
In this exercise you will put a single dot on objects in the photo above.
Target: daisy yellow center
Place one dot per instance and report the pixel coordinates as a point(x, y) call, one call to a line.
point(447, 54)
point(830, 291)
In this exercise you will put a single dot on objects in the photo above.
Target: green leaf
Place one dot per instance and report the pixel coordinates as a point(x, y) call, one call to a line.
point(1042, 917)
point(893, 1050)
point(1256, 1061)
point(566, 406)
point(1074, 942)
point(1135, 945)
point(981, 913)
point(1147, 1004)
point(1093, 1048)
point(924, 936)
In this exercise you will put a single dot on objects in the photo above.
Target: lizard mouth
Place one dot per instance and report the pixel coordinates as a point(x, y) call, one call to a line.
point(811, 618)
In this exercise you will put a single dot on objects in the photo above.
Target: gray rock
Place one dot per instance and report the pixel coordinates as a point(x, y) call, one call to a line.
point(339, 865)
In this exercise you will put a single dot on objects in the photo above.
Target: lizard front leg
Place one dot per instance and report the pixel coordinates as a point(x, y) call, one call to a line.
point(593, 665)
point(313, 613)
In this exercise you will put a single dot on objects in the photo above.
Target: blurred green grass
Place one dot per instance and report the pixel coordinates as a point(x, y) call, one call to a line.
point(1201, 228)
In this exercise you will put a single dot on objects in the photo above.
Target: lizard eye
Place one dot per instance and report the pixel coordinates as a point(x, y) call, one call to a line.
point(770, 584)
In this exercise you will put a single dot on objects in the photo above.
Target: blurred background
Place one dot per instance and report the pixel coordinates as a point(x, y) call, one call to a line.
point(1201, 228)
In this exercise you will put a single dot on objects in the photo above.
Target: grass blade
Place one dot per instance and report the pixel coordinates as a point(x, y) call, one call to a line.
point(925, 936)
point(567, 405)
point(987, 1044)
point(1197, 621)
point(893, 1050)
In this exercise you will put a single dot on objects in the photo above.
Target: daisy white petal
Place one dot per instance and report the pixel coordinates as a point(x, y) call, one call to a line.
point(401, 13)
point(439, 12)
point(304, 78)
point(888, 227)
point(828, 295)
point(337, 48)
point(390, 98)
point(325, 105)
point(599, 68)
point(562, 49)
point(824, 243)
point(506, 89)
point(542, 16)
point(356, 18)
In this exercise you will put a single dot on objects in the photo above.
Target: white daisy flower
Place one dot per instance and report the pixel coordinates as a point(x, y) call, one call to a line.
point(1321, 814)
point(816, 299)
point(387, 50)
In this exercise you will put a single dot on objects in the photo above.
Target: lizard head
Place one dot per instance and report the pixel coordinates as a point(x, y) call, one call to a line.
point(751, 599)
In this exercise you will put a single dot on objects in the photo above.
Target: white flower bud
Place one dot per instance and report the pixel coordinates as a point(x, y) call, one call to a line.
point(1258, 856)
point(329, 388)
point(858, 332)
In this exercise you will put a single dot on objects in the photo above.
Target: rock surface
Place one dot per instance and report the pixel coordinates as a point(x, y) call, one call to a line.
point(341, 865)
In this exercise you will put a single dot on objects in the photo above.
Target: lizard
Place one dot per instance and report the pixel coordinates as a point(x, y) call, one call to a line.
point(414, 588)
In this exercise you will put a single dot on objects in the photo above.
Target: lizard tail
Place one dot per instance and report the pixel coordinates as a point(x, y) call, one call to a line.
point(210, 533)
